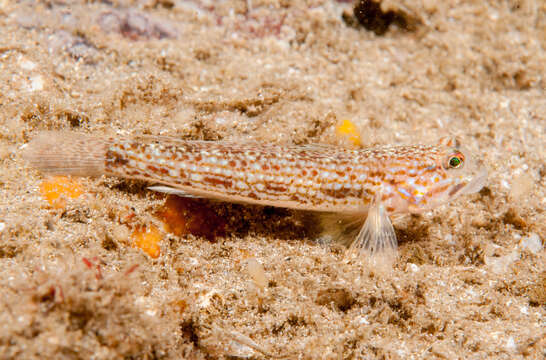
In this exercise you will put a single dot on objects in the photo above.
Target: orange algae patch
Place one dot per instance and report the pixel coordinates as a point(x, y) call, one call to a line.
point(348, 130)
point(58, 189)
point(183, 216)
point(147, 239)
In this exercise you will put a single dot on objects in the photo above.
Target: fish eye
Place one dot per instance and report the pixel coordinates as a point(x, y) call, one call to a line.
point(455, 161)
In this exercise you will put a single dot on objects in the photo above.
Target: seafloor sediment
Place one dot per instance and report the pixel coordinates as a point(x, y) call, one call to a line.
point(469, 281)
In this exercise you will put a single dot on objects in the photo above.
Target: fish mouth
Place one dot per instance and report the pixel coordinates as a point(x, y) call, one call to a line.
point(477, 182)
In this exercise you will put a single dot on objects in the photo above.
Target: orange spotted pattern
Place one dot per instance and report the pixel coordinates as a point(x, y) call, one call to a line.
point(312, 177)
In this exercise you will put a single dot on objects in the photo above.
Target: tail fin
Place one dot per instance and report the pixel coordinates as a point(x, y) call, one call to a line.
point(67, 153)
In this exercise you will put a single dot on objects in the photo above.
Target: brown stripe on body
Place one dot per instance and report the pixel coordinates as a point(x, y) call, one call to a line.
point(218, 182)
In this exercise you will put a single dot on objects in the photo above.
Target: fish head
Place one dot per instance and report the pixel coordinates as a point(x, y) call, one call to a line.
point(447, 171)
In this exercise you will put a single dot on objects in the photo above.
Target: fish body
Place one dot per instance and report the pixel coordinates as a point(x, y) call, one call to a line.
point(377, 181)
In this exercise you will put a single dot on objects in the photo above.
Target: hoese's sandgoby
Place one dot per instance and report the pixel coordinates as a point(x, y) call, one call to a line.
point(369, 183)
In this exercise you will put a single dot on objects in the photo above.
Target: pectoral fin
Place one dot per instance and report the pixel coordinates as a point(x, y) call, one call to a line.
point(171, 191)
point(377, 234)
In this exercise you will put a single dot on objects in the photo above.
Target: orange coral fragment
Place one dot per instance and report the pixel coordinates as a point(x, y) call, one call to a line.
point(147, 239)
point(58, 189)
point(349, 131)
point(183, 216)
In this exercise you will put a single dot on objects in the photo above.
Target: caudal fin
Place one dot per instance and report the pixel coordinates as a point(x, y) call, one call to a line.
point(67, 153)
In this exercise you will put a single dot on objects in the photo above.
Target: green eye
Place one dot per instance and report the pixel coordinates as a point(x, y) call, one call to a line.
point(455, 162)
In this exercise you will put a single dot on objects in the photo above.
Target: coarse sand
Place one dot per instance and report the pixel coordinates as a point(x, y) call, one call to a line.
point(469, 281)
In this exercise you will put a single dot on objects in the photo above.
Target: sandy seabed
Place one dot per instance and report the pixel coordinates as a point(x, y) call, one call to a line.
point(470, 280)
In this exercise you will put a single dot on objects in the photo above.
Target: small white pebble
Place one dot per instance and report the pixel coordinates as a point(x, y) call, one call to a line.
point(121, 234)
point(36, 83)
point(494, 15)
point(510, 344)
point(532, 243)
point(505, 184)
point(27, 64)
point(522, 186)
point(146, 305)
point(203, 301)
point(257, 273)
point(471, 293)
point(412, 267)
point(402, 353)
point(499, 265)
point(524, 310)
point(362, 320)
point(2, 227)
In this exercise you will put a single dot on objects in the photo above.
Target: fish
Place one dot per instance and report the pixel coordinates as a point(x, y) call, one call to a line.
point(369, 185)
